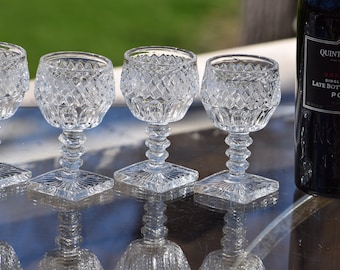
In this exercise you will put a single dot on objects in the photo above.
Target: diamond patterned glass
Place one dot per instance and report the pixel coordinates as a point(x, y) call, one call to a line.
point(14, 78)
point(14, 82)
point(159, 84)
point(74, 90)
point(240, 96)
point(240, 93)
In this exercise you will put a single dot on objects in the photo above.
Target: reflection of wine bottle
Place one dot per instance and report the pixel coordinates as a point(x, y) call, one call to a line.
point(314, 243)
point(317, 131)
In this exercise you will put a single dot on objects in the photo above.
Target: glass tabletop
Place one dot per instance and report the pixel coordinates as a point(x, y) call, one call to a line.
point(298, 232)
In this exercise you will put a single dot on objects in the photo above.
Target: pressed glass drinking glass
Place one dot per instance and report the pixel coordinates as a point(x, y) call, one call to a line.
point(159, 84)
point(240, 93)
point(74, 90)
point(14, 82)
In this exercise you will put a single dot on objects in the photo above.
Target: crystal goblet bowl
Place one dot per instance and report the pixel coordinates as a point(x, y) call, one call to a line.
point(14, 83)
point(74, 90)
point(159, 84)
point(240, 93)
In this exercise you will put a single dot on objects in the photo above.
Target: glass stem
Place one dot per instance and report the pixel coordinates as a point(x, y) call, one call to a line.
point(157, 144)
point(69, 238)
point(238, 153)
point(154, 231)
point(234, 235)
point(72, 151)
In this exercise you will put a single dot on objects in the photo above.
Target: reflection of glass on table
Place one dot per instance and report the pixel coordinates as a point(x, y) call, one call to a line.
point(69, 254)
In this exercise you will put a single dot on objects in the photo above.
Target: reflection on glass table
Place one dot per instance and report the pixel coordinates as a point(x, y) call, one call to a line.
point(69, 254)
point(153, 251)
point(234, 242)
point(8, 257)
point(301, 223)
point(108, 229)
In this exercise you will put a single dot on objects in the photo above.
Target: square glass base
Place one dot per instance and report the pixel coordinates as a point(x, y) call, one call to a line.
point(11, 175)
point(139, 181)
point(252, 188)
point(84, 185)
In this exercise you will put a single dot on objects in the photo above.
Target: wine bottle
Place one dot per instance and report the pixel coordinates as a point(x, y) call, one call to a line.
point(317, 116)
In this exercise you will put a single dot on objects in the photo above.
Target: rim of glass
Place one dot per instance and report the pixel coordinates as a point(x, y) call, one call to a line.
point(48, 58)
point(225, 58)
point(189, 55)
point(20, 51)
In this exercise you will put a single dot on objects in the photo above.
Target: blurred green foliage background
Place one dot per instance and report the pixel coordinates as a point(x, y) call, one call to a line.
point(110, 27)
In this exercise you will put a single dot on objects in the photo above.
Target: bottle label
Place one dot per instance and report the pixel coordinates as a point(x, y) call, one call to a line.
point(321, 85)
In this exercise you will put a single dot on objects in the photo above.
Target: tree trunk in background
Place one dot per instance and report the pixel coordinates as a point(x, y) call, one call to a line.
point(266, 20)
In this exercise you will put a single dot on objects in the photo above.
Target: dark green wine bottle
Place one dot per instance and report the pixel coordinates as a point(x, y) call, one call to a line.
point(317, 117)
